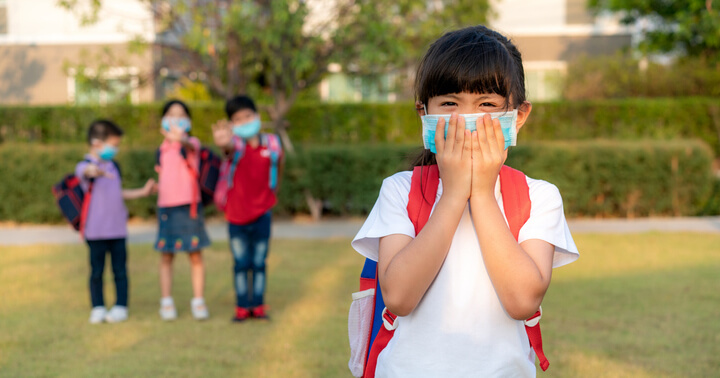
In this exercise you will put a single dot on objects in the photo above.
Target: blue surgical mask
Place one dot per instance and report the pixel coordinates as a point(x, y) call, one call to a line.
point(182, 123)
point(508, 124)
point(247, 130)
point(107, 152)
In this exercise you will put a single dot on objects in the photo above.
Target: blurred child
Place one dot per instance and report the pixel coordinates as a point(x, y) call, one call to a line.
point(180, 213)
point(463, 285)
point(106, 224)
point(254, 161)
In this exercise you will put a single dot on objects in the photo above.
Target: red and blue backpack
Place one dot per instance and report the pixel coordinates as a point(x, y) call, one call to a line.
point(371, 325)
point(73, 201)
point(227, 169)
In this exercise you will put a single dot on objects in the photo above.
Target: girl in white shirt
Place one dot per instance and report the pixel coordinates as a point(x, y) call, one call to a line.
point(463, 285)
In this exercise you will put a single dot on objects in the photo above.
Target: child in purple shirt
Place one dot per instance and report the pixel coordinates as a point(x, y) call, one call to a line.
point(106, 224)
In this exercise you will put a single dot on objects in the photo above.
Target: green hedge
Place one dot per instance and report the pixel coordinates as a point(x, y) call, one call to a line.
point(596, 179)
point(626, 119)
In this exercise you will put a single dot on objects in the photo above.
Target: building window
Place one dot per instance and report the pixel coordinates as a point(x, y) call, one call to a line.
point(544, 80)
point(3, 17)
point(117, 85)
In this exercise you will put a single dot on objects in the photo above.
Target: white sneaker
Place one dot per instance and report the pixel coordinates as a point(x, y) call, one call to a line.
point(97, 315)
point(199, 310)
point(117, 314)
point(167, 309)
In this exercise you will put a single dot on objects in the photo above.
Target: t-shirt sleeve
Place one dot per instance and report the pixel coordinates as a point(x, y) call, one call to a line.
point(389, 216)
point(547, 222)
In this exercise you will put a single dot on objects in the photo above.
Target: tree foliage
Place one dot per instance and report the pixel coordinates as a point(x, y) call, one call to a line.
point(691, 27)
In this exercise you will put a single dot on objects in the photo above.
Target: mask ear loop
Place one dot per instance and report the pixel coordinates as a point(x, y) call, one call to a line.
point(425, 109)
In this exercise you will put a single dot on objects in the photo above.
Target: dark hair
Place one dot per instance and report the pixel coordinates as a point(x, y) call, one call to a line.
point(170, 103)
point(101, 129)
point(474, 59)
point(239, 103)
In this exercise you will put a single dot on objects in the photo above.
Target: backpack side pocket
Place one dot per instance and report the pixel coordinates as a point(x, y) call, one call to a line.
point(359, 327)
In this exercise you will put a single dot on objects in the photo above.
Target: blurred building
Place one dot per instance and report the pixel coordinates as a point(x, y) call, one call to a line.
point(549, 34)
point(42, 47)
point(47, 56)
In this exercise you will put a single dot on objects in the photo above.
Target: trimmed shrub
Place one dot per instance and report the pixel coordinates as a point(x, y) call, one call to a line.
point(625, 119)
point(596, 179)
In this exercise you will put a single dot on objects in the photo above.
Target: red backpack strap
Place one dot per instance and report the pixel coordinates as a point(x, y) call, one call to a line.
point(423, 189)
point(517, 205)
point(516, 198)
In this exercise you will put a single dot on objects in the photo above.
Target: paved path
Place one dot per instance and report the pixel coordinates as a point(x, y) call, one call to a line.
point(145, 233)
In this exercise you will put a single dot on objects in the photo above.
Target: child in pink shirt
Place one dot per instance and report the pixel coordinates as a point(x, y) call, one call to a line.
point(181, 224)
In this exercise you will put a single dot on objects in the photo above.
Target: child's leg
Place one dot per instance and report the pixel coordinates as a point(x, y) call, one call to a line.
point(166, 260)
point(197, 274)
point(261, 241)
point(118, 256)
point(240, 248)
point(98, 248)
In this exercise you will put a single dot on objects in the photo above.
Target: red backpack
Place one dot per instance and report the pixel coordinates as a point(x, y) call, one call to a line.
point(371, 325)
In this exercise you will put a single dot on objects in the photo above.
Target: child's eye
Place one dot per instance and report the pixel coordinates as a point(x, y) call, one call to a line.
point(487, 105)
point(448, 103)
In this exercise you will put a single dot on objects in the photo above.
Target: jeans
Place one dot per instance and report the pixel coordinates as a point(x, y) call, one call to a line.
point(118, 257)
point(249, 246)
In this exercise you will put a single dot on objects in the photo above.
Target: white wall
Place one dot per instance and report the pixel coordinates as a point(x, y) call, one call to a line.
point(547, 18)
point(44, 22)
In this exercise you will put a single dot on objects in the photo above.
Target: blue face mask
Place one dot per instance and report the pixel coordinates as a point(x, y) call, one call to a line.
point(508, 123)
point(247, 130)
point(107, 152)
point(182, 123)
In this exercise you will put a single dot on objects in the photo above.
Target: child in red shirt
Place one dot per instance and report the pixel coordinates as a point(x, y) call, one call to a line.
point(256, 162)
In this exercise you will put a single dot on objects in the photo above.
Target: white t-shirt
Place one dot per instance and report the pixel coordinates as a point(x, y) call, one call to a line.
point(459, 328)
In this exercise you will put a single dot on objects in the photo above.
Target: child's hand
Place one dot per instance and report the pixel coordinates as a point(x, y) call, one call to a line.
point(149, 187)
point(454, 157)
point(175, 134)
point(222, 133)
point(488, 156)
point(93, 171)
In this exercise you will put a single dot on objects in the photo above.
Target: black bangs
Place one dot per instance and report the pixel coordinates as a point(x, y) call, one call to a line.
point(473, 60)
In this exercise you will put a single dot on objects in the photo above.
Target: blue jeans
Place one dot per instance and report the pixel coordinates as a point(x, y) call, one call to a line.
point(249, 246)
point(118, 257)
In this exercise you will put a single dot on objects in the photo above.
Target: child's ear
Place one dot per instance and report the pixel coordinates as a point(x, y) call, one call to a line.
point(523, 112)
point(419, 108)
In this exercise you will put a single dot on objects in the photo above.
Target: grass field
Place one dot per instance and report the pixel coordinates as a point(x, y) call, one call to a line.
point(638, 305)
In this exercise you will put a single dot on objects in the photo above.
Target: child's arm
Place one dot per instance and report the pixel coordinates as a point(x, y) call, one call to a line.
point(222, 136)
point(145, 191)
point(407, 266)
point(520, 273)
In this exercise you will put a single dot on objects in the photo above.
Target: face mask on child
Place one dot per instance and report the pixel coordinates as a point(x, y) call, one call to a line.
point(247, 130)
point(182, 123)
point(107, 152)
point(508, 122)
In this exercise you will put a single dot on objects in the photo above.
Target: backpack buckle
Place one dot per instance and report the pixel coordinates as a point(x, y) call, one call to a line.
point(535, 319)
point(389, 320)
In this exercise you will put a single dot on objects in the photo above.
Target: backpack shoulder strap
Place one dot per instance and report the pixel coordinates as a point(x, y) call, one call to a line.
point(117, 167)
point(517, 205)
point(272, 143)
point(516, 198)
point(423, 190)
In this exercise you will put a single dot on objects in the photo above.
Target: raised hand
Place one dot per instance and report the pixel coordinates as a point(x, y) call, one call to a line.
point(93, 171)
point(222, 133)
point(488, 155)
point(454, 157)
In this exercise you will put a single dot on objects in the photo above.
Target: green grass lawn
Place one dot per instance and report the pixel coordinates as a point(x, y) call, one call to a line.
point(639, 305)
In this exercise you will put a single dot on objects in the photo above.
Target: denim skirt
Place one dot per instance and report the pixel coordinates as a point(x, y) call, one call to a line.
point(178, 232)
